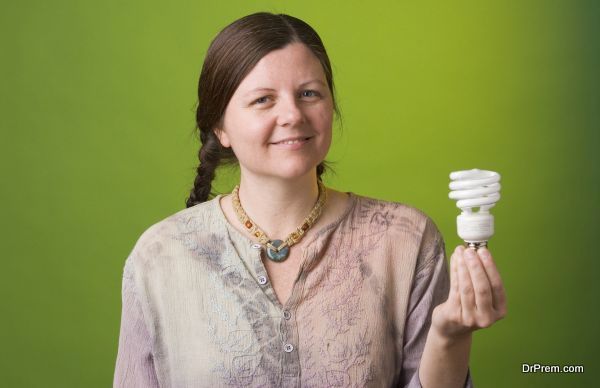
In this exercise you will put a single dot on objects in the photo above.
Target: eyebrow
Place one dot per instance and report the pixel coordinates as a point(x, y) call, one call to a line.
point(272, 90)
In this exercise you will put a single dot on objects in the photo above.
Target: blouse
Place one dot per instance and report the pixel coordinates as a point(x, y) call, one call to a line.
point(198, 308)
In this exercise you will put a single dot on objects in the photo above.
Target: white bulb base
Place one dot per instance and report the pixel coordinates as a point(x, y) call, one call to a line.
point(475, 228)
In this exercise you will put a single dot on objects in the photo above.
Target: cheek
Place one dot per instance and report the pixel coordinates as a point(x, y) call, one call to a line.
point(250, 129)
point(323, 119)
point(259, 127)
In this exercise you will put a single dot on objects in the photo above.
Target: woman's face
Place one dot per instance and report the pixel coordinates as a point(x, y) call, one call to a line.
point(278, 121)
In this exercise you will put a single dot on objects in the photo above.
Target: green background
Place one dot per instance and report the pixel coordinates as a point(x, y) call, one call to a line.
point(98, 143)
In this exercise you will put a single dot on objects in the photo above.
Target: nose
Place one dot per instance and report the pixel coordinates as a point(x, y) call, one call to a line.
point(289, 113)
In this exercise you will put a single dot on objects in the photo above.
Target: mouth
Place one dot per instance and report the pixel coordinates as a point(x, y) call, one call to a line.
point(293, 141)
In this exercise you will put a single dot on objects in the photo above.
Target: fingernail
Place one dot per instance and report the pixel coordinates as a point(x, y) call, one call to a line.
point(470, 253)
point(484, 253)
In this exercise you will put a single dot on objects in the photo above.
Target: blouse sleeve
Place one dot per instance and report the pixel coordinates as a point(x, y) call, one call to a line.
point(431, 286)
point(135, 363)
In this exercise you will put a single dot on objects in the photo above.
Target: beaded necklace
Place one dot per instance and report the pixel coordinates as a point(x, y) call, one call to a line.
point(278, 250)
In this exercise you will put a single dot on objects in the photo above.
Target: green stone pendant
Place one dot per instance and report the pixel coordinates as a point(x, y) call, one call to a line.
point(277, 256)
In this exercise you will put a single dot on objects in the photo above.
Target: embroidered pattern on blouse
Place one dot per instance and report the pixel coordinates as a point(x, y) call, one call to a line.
point(246, 336)
point(335, 292)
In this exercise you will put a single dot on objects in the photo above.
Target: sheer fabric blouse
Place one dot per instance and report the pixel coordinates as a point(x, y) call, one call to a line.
point(199, 310)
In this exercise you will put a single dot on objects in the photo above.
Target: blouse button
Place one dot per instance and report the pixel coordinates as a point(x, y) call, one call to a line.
point(256, 246)
point(262, 280)
point(288, 348)
point(287, 314)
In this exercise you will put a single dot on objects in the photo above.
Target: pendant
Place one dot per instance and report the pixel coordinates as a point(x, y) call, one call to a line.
point(278, 256)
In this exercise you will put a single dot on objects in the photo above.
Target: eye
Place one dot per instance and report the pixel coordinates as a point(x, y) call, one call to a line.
point(261, 100)
point(310, 93)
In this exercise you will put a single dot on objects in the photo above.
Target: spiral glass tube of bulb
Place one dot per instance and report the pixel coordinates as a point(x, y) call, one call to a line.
point(475, 189)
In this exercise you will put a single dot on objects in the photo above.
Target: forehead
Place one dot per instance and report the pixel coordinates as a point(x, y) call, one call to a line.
point(294, 64)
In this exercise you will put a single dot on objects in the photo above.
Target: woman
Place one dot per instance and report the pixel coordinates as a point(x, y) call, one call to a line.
point(285, 282)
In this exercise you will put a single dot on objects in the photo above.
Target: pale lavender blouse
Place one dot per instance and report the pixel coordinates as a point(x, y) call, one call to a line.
point(198, 308)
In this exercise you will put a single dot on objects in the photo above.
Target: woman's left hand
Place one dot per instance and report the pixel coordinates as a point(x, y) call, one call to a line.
point(476, 299)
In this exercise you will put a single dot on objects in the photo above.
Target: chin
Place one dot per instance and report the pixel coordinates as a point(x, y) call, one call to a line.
point(294, 172)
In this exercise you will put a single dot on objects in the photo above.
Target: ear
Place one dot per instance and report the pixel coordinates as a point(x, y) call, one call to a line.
point(223, 138)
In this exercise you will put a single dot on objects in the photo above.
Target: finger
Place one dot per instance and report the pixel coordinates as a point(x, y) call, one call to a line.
point(497, 287)
point(467, 298)
point(481, 283)
point(454, 295)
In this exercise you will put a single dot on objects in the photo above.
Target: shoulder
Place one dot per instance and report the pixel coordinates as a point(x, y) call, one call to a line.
point(177, 227)
point(393, 213)
point(406, 225)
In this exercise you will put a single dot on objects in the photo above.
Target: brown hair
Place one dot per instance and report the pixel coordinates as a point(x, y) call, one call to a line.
point(231, 56)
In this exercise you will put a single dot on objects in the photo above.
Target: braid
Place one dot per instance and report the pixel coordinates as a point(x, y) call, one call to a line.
point(320, 170)
point(209, 156)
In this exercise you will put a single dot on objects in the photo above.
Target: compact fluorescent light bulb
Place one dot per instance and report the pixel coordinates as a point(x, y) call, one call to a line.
point(475, 189)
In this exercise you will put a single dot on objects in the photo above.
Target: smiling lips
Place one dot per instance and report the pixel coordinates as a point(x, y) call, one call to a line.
point(291, 141)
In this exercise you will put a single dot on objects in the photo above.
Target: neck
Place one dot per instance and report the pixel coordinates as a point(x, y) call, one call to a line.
point(278, 206)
